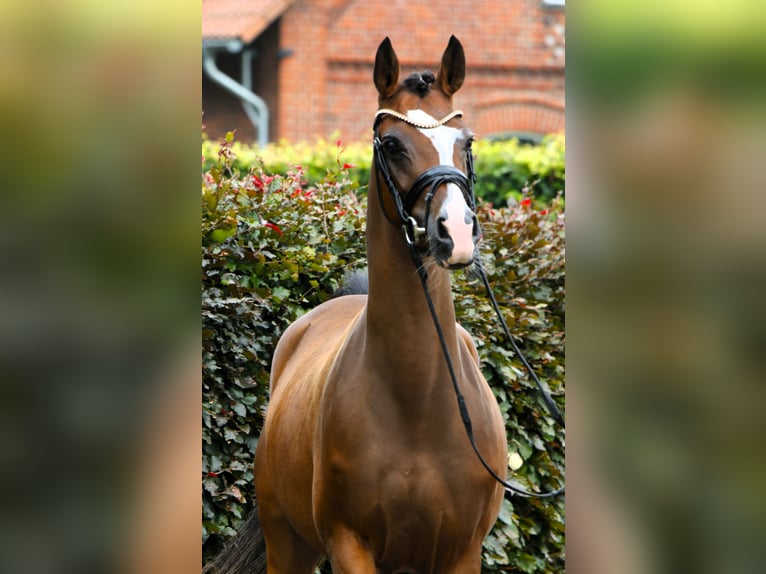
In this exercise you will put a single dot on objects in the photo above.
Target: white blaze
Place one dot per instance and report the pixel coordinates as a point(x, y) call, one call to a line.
point(443, 139)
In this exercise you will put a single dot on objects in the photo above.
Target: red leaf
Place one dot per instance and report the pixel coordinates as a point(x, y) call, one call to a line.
point(261, 183)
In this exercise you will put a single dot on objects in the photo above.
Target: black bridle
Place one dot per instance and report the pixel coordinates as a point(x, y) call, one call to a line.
point(430, 180)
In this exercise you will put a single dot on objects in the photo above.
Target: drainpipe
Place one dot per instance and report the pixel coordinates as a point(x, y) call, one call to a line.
point(247, 82)
point(255, 107)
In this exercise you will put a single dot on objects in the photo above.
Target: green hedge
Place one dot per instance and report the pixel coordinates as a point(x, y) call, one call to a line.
point(506, 170)
point(275, 246)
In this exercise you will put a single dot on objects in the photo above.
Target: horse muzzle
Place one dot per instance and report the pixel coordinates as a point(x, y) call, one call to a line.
point(453, 231)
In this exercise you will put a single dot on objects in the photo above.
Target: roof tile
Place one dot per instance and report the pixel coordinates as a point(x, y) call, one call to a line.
point(239, 19)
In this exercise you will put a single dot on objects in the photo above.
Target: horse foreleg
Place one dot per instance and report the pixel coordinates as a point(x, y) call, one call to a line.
point(286, 551)
point(348, 555)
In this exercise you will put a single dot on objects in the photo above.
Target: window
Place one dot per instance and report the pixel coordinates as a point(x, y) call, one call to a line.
point(525, 138)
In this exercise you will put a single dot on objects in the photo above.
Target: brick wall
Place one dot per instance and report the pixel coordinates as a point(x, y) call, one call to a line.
point(514, 52)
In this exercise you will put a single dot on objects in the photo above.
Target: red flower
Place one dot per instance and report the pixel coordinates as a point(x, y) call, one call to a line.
point(526, 202)
point(543, 212)
point(273, 226)
point(348, 166)
point(262, 183)
point(338, 143)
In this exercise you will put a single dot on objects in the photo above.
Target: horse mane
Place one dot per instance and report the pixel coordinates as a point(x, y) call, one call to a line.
point(354, 283)
point(419, 83)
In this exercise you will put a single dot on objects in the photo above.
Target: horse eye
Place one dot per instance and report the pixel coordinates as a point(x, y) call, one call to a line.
point(393, 147)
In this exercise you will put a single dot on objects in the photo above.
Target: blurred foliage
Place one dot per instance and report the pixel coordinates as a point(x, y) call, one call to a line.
point(666, 313)
point(276, 245)
point(505, 169)
point(99, 111)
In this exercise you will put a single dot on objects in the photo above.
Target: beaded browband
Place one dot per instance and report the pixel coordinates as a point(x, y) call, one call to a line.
point(397, 115)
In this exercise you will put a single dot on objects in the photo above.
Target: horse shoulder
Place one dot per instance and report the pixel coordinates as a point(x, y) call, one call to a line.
point(312, 332)
point(492, 412)
point(467, 339)
point(283, 460)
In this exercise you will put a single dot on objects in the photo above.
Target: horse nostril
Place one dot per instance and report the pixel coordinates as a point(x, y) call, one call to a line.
point(441, 229)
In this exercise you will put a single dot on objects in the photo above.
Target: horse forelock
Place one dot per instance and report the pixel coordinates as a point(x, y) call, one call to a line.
point(420, 82)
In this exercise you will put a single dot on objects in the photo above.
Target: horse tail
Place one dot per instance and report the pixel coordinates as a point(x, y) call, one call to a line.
point(354, 283)
point(245, 553)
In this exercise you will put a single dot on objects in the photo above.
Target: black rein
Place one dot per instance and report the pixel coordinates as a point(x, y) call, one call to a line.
point(430, 180)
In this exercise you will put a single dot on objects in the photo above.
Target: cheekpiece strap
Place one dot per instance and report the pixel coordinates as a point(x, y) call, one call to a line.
point(399, 116)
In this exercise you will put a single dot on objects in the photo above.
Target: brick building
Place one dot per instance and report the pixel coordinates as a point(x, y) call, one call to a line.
point(308, 63)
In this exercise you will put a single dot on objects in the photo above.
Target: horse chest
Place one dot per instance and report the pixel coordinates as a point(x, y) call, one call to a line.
point(417, 504)
point(404, 466)
point(412, 509)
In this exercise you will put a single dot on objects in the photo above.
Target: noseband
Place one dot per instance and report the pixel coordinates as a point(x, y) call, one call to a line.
point(429, 180)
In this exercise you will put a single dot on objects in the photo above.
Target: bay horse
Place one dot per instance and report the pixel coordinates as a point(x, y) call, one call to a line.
point(363, 457)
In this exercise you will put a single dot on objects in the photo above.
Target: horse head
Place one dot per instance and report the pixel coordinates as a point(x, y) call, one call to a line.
point(423, 151)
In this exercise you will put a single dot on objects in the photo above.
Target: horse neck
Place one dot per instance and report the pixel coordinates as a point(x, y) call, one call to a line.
point(399, 323)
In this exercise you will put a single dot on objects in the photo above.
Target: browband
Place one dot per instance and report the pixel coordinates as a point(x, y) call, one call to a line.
point(397, 115)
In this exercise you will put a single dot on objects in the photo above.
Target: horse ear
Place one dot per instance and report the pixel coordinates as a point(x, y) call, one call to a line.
point(452, 71)
point(386, 72)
